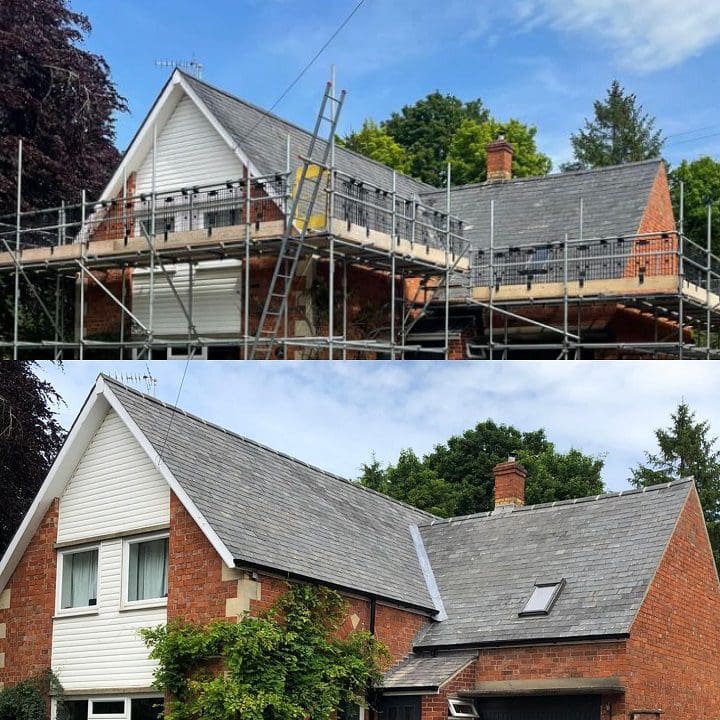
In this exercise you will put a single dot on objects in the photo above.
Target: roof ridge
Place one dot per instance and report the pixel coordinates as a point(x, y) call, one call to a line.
point(565, 503)
point(279, 453)
point(290, 123)
point(550, 176)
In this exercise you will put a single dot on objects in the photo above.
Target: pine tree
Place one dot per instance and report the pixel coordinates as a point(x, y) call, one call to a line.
point(686, 449)
point(621, 132)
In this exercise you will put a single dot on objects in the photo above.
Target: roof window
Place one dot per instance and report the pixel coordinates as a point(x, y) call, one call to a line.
point(543, 598)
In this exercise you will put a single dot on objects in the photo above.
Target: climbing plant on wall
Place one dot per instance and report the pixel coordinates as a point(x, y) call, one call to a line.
point(287, 664)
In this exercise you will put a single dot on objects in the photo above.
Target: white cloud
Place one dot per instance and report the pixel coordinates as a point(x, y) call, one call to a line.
point(644, 36)
point(336, 415)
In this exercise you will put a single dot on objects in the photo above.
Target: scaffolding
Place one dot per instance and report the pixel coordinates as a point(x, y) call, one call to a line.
point(536, 299)
point(416, 248)
point(539, 299)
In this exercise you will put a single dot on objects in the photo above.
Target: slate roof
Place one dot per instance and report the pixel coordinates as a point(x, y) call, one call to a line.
point(543, 209)
point(607, 549)
point(276, 512)
point(263, 137)
point(426, 671)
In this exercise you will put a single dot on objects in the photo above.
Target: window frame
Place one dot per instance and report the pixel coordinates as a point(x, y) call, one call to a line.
point(60, 611)
point(125, 603)
point(127, 699)
point(453, 712)
point(557, 584)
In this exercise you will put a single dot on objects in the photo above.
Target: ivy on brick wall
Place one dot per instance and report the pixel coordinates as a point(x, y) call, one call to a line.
point(287, 664)
point(30, 699)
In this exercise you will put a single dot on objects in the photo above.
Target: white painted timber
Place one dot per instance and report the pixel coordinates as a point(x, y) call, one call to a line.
point(105, 651)
point(115, 488)
point(216, 299)
point(189, 152)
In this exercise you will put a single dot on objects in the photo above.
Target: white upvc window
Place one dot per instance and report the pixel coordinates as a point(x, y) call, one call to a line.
point(461, 708)
point(145, 571)
point(140, 707)
point(78, 582)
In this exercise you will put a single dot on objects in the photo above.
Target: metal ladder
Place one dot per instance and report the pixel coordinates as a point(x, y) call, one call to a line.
point(292, 245)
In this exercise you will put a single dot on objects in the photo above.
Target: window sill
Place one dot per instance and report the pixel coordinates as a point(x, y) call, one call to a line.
point(80, 612)
point(144, 605)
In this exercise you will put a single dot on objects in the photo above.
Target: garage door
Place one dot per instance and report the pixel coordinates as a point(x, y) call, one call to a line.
point(573, 707)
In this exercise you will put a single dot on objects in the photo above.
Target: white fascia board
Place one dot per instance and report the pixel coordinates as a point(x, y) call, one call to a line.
point(81, 433)
point(244, 159)
point(158, 115)
point(175, 486)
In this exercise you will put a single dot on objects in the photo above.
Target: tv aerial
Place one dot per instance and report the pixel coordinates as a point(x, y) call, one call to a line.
point(193, 66)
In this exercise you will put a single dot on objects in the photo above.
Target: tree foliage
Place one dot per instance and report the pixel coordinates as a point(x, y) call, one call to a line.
point(620, 132)
point(468, 150)
point(701, 179)
point(30, 438)
point(687, 449)
point(374, 142)
point(59, 99)
point(426, 129)
point(456, 478)
point(422, 138)
point(288, 664)
point(28, 700)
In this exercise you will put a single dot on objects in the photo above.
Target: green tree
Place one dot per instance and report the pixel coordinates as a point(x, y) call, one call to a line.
point(456, 478)
point(701, 179)
point(426, 129)
point(686, 449)
point(468, 153)
point(374, 142)
point(287, 664)
point(620, 132)
point(412, 481)
point(30, 438)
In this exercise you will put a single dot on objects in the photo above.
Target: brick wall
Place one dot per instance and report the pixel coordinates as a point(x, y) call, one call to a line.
point(198, 592)
point(26, 625)
point(657, 217)
point(435, 707)
point(674, 646)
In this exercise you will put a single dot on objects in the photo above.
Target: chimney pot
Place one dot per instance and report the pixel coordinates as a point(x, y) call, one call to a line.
point(509, 484)
point(499, 160)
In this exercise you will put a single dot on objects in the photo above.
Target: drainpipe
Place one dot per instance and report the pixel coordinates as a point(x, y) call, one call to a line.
point(373, 608)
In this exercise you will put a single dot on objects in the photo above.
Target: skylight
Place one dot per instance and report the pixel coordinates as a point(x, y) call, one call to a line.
point(543, 598)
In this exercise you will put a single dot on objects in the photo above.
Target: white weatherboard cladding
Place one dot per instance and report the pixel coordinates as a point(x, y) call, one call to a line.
point(216, 296)
point(189, 152)
point(115, 488)
point(105, 651)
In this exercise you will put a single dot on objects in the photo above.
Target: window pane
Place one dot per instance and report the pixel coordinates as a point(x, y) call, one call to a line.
point(146, 708)
point(148, 570)
point(73, 710)
point(79, 579)
point(540, 599)
point(108, 707)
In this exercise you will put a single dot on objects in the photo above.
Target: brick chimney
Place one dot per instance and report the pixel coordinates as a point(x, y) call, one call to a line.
point(509, 484)
point(499, 160)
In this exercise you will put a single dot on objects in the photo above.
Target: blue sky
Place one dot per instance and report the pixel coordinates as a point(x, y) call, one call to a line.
point(542, 61)
point(335, 415)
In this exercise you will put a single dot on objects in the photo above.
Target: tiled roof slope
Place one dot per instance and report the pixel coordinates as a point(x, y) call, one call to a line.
point(263, 137)
point(426, 671)
point(542, 210)
point(607, 549)
point(277, 512)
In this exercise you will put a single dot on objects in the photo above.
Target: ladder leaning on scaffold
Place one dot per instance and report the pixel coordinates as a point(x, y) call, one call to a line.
point(312, 176)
